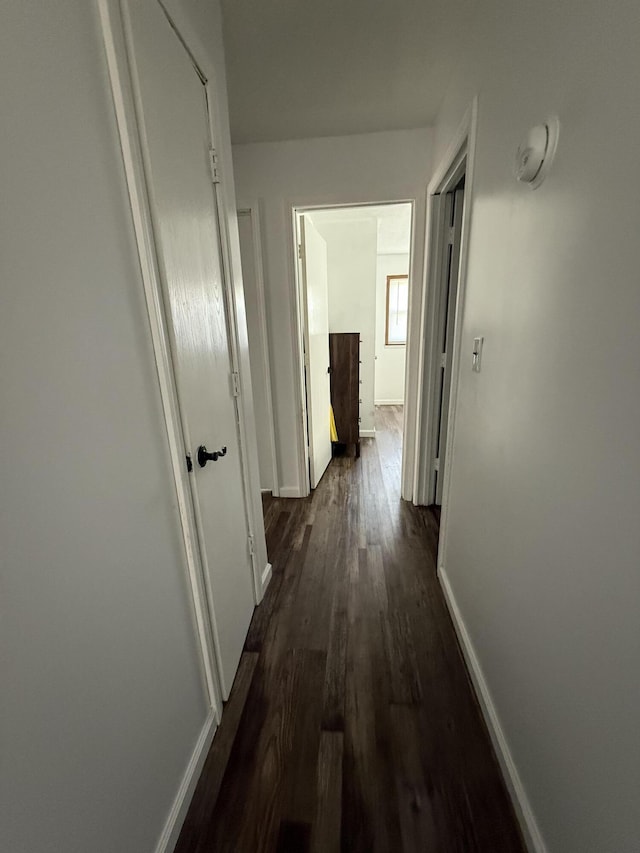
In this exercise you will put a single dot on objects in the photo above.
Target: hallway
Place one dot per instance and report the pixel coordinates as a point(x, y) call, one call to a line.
point(352, 725)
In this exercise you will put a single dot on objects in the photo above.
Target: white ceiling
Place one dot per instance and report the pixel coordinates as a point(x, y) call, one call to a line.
point(393, 223)
point(302, 68)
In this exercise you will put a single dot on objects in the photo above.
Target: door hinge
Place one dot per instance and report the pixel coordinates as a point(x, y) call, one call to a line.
point(235, 383)
point(436, 464)
point(443, 360)
point(215, 168)
point(189, 463)
point(450, 235)
point(252, 545)
point(300, 251)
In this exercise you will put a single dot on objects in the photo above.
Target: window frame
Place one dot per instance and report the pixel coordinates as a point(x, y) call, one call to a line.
point(388, 343)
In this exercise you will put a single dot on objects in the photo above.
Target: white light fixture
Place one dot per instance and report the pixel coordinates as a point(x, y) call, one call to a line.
point(536, 153)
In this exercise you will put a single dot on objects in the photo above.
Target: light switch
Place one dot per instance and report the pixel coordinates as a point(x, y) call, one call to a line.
point(476, 360)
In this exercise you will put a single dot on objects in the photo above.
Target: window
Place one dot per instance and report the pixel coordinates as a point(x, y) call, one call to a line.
point(397, 310)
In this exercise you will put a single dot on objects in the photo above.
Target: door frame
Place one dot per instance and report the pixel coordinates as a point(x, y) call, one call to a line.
point(298, 322)
point(253, 210)
point(458, 159)
point(443, 331)
point(313, 459)
point(117, 59)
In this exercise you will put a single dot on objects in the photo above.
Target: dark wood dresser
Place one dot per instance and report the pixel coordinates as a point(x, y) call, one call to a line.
point(344, 368)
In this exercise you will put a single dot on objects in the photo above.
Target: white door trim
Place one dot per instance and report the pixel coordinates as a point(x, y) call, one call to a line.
point(294, 209)
point(460, 156)
point(298, 324)
point(253, 210)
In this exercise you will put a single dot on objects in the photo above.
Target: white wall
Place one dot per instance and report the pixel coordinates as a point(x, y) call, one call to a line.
point(103, 698)
point(390, 361)
point(351, 268)
point(543, 539)
point(328, 171)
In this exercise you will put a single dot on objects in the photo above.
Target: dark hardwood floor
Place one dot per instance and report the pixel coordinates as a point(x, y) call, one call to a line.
point(352, 725)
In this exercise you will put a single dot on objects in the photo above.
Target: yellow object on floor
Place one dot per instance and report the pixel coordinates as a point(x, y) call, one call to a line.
point(332, 425)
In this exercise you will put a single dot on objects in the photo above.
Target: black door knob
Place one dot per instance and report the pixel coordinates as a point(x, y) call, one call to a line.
point(204, 456)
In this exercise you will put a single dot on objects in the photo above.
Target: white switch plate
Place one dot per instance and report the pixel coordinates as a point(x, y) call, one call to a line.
point(476, 360)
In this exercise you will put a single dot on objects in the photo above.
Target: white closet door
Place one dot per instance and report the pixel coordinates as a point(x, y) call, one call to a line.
point(172, 113)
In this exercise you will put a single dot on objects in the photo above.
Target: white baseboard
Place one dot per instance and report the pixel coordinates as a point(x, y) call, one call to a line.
point(389, 402)
point(367, 433)
point(273, 492)
point(524, 813)
point(172, 827)
point(290, 492)
point(266, 577)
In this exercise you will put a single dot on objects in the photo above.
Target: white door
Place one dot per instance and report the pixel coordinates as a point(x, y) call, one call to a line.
point(315, 287)
point(172, 114)
point(454, 208)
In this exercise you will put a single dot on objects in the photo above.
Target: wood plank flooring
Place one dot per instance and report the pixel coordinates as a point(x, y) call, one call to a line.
point(352, 725)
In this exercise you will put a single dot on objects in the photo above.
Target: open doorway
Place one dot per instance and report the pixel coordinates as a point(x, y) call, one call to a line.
point(353, 284)
point(451, 209)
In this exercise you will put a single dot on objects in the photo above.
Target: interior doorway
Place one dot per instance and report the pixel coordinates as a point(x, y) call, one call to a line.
point(441, 355)
point(452, 207)
point(353, 279)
